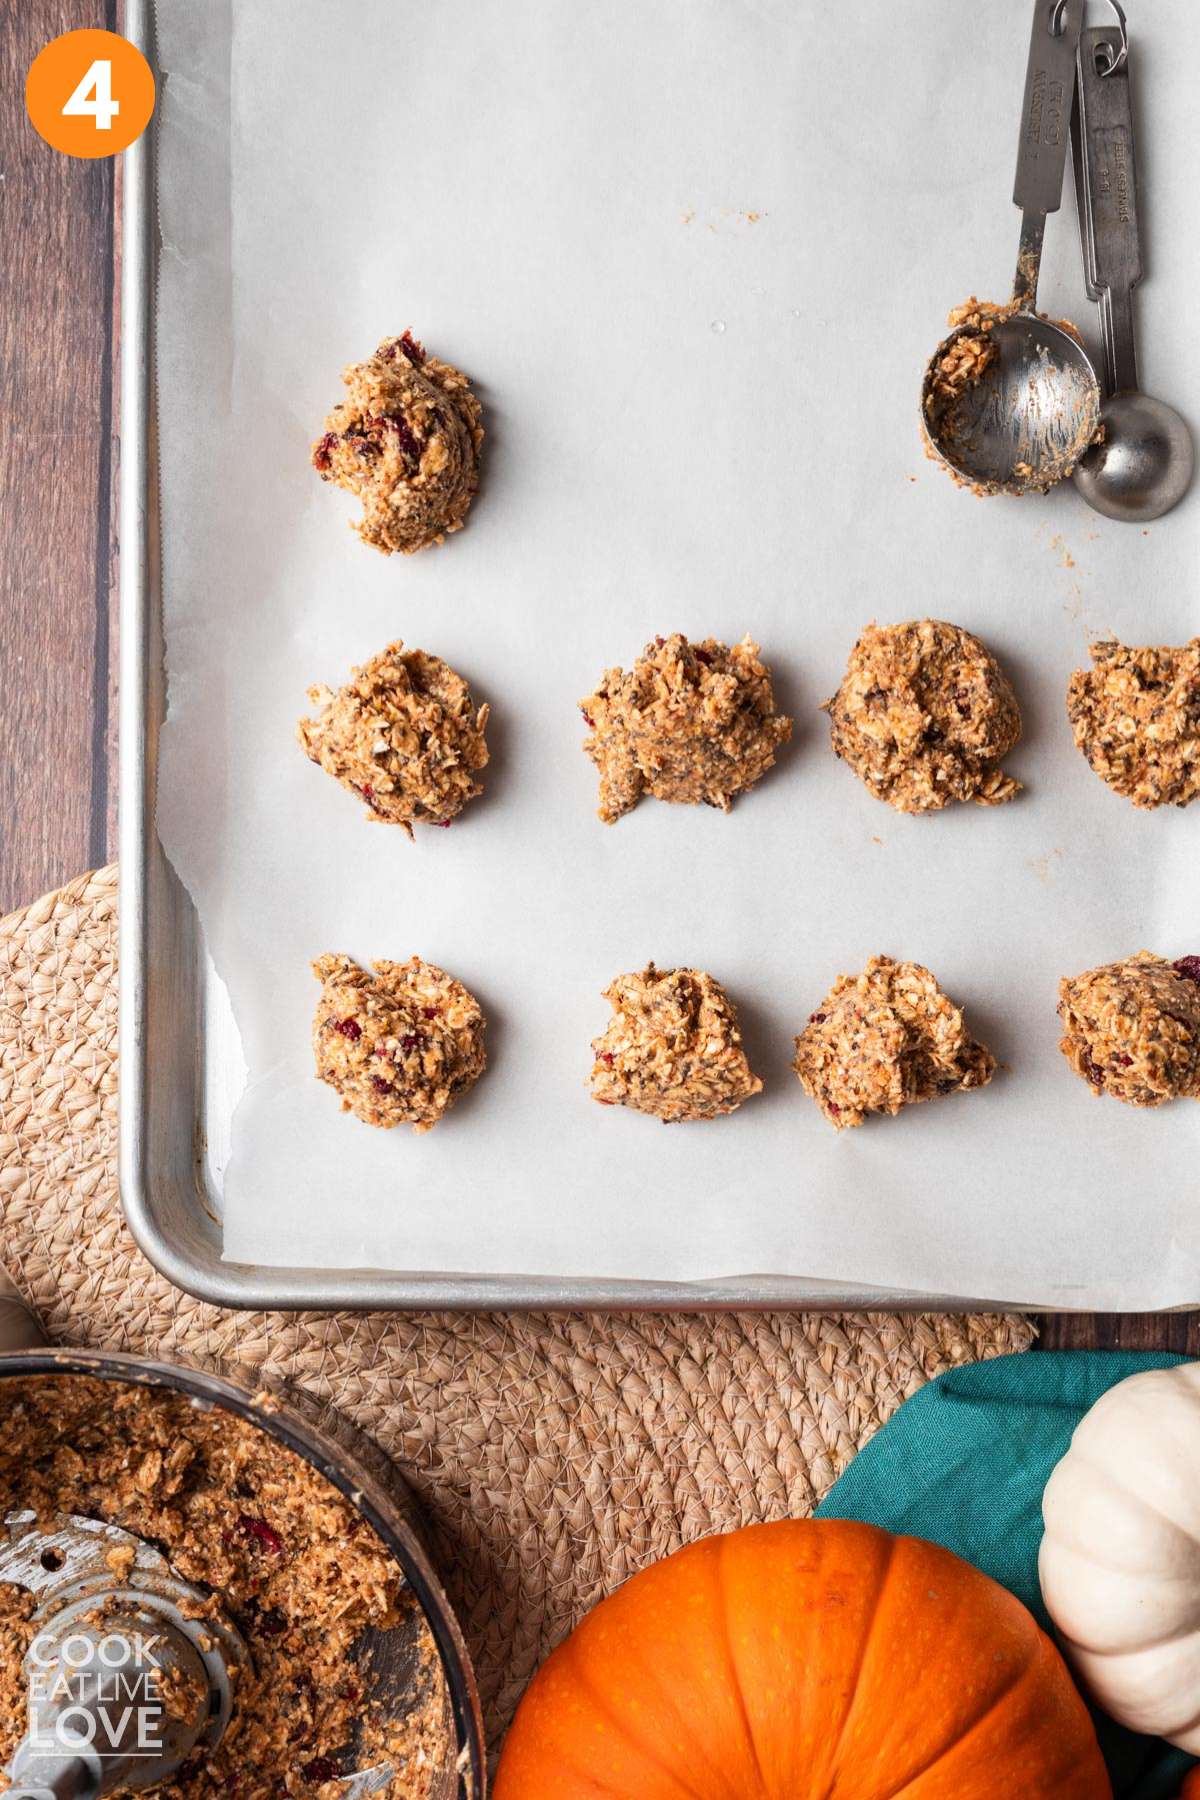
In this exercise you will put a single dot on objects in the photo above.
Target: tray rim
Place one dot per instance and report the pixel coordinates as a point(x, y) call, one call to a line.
point(146, 879)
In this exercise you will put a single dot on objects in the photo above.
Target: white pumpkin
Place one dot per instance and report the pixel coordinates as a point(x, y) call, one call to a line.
point(1120, 1561)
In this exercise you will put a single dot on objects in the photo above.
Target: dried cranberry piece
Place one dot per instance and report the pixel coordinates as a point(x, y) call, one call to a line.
point(321, 1768)
point(704, 656)
point(588, 720)
point(660, 641)
point(412, 1040)
point(322, 452)
point(410, 443)
point(414, 351)
point(367, 792)
point(263, 1536)
point(350, 1028)
point(442, 824)
point(1188, 967)
point(1124, 1061)
point(835, 1110)
point(430, 1012)
point(270, 1623)
point(606, 1056)
point(817, 1018)
point(380, 1085)
point(1093, 1073)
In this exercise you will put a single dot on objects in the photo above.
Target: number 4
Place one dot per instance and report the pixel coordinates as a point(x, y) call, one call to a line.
point(93, 97)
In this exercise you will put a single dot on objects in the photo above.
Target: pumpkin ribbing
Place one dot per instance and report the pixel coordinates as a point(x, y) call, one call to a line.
point(806, 1660)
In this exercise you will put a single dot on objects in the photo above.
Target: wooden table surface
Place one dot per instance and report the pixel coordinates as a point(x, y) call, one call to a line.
point(59, 326)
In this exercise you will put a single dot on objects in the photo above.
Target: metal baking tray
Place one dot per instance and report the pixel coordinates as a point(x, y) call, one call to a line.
point(180, 1056)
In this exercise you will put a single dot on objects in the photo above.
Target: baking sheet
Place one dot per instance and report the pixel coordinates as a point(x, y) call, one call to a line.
point(694, 255)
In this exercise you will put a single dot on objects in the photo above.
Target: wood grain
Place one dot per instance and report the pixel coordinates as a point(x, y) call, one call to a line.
point(56, 403)
point(59, 326)
point(1120, 1331)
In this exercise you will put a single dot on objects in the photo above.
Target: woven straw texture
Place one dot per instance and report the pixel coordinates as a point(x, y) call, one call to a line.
point(554, 1456)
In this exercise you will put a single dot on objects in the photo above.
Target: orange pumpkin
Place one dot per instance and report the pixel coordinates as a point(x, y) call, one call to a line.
point(798, 1661)
point(1191, 1786)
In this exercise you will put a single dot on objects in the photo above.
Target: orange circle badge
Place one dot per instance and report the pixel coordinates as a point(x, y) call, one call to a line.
point(90, 93)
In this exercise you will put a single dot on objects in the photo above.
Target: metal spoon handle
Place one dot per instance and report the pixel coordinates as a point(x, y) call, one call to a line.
point(55, 1773)
point(1045, 122)
point(1106, 197)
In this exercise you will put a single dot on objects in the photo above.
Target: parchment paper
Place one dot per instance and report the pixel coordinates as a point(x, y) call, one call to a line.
point(694, 254)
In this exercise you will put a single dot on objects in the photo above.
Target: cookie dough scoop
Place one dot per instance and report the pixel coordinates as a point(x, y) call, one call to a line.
point(129, 1670)
point(1010, 400)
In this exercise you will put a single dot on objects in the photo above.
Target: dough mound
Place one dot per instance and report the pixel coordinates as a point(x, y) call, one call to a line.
point(673, 1047)
point(406, 440)
point(1136, 717)
point(1132, 1028)
point(403, 734)
point(399, 1046)
point(924, 715)
point(885, 1039)
point(689, 722)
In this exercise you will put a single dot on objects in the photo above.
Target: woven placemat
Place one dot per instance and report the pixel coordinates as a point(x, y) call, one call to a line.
point(554, 1455)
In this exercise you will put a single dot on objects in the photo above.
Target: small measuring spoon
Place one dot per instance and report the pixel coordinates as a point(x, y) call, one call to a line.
point(1028, 413)
point(1144, 464)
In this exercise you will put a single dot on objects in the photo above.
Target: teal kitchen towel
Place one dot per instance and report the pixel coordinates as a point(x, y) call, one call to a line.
point(964, 1462)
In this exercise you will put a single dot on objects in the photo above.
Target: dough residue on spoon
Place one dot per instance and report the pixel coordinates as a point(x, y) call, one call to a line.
point(954, 416)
